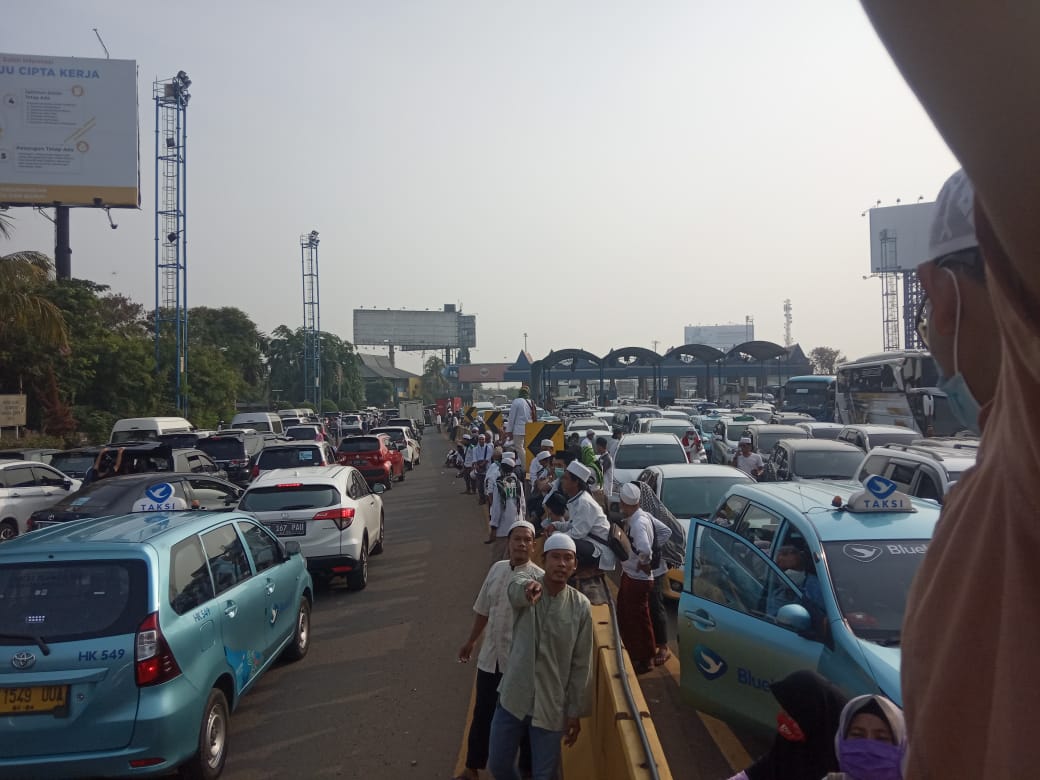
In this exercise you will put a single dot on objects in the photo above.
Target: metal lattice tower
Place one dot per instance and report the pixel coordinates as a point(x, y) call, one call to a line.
point(889, 291)
point(311, 320)
point(171, 251)
point(787, 323)
point(912, 296)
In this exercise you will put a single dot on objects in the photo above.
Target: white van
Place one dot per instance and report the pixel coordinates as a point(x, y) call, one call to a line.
point(147, 428)
point(261, 422)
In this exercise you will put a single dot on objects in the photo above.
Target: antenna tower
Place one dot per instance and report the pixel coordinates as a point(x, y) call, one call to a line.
point(311, 320)
point(787, 323)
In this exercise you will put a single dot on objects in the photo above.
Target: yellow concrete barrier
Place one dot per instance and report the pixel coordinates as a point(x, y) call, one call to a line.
point(609, 747)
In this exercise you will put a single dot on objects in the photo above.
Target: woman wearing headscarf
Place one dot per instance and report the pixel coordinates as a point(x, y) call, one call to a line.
point(871, 740)
point(803, 749)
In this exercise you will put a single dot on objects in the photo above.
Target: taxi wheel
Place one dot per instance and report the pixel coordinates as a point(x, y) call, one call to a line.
point(377, 548)
point(208, 762)
point(301, 640)
point(358, 579)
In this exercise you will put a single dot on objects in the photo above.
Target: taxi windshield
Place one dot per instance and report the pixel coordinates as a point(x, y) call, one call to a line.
point(871, 579)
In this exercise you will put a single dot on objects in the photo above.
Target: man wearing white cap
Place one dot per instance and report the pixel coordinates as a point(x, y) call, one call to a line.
point(493, 614)
point(467, 463)
point(541, 468)
point(637, 581)
point(482, 452)
point(587, 524)
point(749, 462)
point(507, 506)
point(545, 688)
point(521, 412)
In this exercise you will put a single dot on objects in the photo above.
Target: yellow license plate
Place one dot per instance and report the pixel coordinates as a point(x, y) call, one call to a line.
point(41, 698)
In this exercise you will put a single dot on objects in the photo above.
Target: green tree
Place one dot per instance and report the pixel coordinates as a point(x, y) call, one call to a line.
point(434, 385)
point(825, 360)
point(24, 307)
point(379, 392)
point(243, 346)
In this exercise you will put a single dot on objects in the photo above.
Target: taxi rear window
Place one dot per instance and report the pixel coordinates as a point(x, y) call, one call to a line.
point(289, 457)
point(71, 600)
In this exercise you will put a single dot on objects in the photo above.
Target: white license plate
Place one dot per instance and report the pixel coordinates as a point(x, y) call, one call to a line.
point(288, 527)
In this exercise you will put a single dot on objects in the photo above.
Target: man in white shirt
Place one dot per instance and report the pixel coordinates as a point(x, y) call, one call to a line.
point(482, 452)
point(494, 614)
point(508, 505)
point(637, 581)
point(587, 523)
point(749, 462)
point(521, 412)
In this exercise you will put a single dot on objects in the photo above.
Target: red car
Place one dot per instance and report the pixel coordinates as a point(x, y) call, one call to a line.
point(375, 456)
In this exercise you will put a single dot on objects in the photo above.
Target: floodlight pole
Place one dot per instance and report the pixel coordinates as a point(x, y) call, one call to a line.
point(311, 319)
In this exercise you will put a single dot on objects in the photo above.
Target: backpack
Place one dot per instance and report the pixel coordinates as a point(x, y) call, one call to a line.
point(508, 489)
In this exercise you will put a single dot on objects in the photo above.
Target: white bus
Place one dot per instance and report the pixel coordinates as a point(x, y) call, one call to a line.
point(894, 388)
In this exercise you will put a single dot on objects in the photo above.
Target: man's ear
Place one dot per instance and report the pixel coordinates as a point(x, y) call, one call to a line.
point(938, 283)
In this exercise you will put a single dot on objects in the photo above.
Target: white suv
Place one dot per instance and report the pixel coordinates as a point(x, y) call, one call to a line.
point(26, 486)
point(329, 510)
point(923, 469)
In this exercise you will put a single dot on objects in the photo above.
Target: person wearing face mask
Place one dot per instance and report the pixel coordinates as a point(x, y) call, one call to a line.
point(870, 741)
point(956, 319)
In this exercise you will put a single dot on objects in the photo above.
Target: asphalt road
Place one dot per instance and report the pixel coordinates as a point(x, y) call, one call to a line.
point(380, 694)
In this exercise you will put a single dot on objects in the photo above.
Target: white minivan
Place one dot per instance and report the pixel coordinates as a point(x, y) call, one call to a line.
point(147, 428)
point(261, 422)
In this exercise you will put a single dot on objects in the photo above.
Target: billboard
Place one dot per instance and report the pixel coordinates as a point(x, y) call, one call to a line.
point(12, 410)
point(68, 131)
point(414, 330)
point(723, 337)
point(899, 236)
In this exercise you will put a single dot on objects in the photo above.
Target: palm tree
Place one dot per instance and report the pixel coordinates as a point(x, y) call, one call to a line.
point(23, 309)
point(6, 226)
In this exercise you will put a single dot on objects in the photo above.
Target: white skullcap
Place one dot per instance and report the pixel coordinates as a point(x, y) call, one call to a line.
point(522, 524)
point(590, 432)
point(630, 493)
point(543, 455)
point(579, 470)
point(953, 224)
point(507, 460)
point(547, 443)
point(466, 436)
point(559, 541)
point(745, 440)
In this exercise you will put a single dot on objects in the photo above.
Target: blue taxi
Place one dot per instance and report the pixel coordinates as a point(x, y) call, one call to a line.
point(790, 576)
point(125, 642)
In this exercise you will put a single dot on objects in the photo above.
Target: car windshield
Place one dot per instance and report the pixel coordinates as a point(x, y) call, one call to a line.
point(639, 456)
point(289, 457)
point(302, 433)
point(767, 441)
point(871, 580)
point(360, 444)
point(696, 496)
point(881, 439)
point(395, 434)
point(350, 419)
point(226, 448)
point(827, 464)
point(679, 429)
point(121, 437)
point(96, 498)
point(735, 430)
point(73, 463)
point(71, 600)
point(826, 433)
point(288, 498)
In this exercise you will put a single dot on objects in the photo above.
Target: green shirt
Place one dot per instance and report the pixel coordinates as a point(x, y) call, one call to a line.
point(551, 658)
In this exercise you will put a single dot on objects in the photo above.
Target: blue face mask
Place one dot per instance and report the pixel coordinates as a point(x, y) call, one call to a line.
point(558, 473)
point(870, 759)
point(963, 405)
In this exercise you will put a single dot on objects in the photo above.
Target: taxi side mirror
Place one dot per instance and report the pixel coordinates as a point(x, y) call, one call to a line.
point(794, 617)
point(293, 548)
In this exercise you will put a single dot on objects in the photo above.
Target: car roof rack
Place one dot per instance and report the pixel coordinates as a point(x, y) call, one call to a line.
point(933, 451)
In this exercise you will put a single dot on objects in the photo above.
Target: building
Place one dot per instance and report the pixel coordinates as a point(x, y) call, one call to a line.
point(378, 367)
point(722, 337)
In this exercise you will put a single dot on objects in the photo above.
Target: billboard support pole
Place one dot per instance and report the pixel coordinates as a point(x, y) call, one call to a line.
point(62, 247)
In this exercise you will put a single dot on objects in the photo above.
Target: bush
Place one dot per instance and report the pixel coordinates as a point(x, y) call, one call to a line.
point(328, 406)
point(32, 441)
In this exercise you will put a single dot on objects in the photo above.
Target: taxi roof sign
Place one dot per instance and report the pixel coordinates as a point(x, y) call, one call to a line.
point(879, 495)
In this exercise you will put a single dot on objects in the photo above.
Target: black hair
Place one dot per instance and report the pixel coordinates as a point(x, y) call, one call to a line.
point(601, 442)
point(556, 502)
point(566, 456)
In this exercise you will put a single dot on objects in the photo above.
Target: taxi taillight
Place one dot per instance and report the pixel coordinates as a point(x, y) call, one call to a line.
point(342, 517)
point(153, 660)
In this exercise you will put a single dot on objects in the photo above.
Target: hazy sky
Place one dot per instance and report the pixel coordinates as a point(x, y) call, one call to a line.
point(596, 174)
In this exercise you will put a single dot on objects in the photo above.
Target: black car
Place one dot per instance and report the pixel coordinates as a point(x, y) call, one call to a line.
point(126, 494)
point(75, 463)
point(233, 453)
point(148, 457)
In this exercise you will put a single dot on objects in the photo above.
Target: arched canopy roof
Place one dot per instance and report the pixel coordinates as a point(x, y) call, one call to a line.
point(631, 356)
point(758, 350)
point(573, 356)
point(700, 352)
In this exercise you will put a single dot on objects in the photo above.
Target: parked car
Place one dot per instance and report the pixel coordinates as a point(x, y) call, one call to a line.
point(402, 439)
point(375, 456)
point(123, 495)
point(728, 432)
point(233, 450)
point(923, 469)
point(414, 428)
point(867, 437)
point(147, 428)
point(689, 490)
point(147, 630)
point(146, 457)
point(686, 431)
point(306, 432)
point(351, 425)
point(627, 417)
point(821, 430)
point(329, 510)
point(288, 455)
point(764, 437)
point(796, 460)
point(637, 451)
point(25, 487)
point(783, 579)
